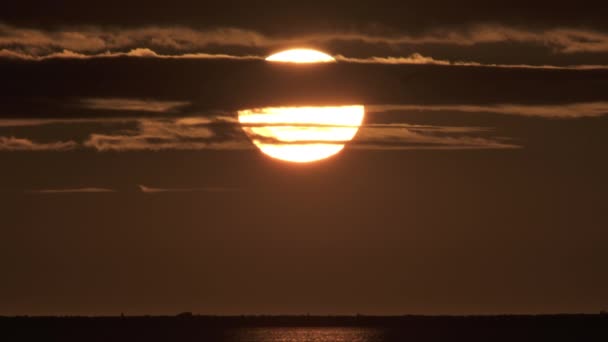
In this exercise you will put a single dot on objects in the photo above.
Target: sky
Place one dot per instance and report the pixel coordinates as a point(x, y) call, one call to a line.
point(476, 184)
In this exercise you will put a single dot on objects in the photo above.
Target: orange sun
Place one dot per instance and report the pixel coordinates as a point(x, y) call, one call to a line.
point(301, 56)
point(302, 134)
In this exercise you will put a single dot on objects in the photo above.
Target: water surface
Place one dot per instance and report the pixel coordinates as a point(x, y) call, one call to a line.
point(321, 334)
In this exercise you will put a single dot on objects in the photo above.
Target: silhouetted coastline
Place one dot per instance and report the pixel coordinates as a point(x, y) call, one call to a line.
point(190, 327)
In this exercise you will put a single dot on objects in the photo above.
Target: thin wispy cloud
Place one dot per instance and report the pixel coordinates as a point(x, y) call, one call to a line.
point(138, 52)
point(150, 190)
point(96, 39)
point(22, 144)
point(32, 122)
point(130, 143)
point(418, 59)
point(70, 191)
point(413, 59)
point(88, 40)
point(455, 146)
point(564, 111)
point(224, 132)
point(205, 134)
point(399, 136)
point(142, 134)
point(170, 134)
point(63, 121)
point(139, 105)
point(408, 137)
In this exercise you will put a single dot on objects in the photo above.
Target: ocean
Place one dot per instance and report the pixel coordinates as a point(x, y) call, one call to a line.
point(306, 328)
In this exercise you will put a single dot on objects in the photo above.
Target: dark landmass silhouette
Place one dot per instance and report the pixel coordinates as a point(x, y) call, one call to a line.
point(190, 327)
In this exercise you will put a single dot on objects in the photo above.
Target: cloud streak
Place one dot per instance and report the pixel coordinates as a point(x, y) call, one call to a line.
point(21, 144)
point(83, 41)
point(70, 191)
point(137, 52)
point(402, 136)
point(150, 190)
point(413, 59)
point(212, 134)
point(62, 121)
point(224, 132)
point(409, 137)
point(170, 134)
point(418, 59)
point(120, 104)
point(563, 111)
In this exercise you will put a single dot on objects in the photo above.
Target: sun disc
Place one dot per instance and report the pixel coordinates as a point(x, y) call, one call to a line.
point(302, 134)
point(301, 56)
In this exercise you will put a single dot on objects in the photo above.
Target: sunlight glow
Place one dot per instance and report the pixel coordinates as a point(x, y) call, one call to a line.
point(301, 56)
point(302, 134)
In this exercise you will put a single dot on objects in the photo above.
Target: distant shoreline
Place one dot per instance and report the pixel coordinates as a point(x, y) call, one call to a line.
point(314, 316)
point(203, 328)
point(318, 320)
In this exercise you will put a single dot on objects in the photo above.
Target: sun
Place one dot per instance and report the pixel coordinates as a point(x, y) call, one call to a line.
point(301, 56)
point(302, 134)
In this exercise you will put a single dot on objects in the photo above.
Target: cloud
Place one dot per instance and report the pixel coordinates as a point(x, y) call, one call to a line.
point(151, 134)
point(61, 121)
point(138, 52)
point(132, 104)
point(418, 59)
point(182, 121)
point(70, 191)
point(172, 134)
point(83, 41)
point(415, 59)
point(559, 40)
point(220, 133)
point(408, 137)
point(564, 111)
point(399, 136)
point(142, 188)
point(18, 144)
point(224, 132)
point(95, 39)
point(150, 190)
point(13, 54)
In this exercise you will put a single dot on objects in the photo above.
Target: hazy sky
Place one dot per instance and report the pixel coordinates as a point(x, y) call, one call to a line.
point(477, 183)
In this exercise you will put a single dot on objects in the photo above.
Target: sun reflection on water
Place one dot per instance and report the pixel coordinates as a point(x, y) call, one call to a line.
point(321, 334)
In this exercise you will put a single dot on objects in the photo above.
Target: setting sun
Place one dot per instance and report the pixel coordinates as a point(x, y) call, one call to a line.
point(302, 134)
point(301, 56)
